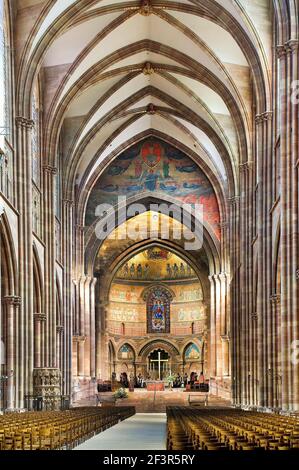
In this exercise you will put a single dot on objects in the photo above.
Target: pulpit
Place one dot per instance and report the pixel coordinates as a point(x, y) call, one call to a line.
point(155, 386)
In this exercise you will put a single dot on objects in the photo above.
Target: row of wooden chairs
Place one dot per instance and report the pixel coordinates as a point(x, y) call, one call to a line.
point(230, 429)
point(50, 430)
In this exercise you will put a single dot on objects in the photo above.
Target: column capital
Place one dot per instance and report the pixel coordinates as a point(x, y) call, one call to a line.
point(254, 316)
point(225, 338)
point(12, 300)
point(68, 202)
point(275, 299)
point(246, 166)
point(281, 50)
point(40, 317)
point(79, 338)
point(263, 117)
point(234, 200)
point(297, 275)
point(60, 329)
point(24, 123)
point(222, 276)
point(292, 45)
point(50, 169)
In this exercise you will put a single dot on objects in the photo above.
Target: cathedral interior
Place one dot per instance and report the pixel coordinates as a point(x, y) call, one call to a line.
point(111, 112)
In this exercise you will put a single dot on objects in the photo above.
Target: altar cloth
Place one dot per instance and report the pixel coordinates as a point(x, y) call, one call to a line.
point(155, 386)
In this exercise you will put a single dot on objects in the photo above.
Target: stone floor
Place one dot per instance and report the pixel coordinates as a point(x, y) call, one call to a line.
point(143, 431)
point(151, 402)
point(156, 402)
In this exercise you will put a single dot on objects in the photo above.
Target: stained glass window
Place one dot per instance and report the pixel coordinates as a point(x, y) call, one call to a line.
point(158, 310)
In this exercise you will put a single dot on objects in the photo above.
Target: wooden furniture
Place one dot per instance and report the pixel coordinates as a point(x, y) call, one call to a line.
point(47, 430)
point(230, 429)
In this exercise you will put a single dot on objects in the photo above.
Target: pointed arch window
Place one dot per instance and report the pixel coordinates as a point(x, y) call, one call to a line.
point(158, 300)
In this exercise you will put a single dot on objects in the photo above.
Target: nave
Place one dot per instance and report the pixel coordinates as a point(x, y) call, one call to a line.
point(121, 428)
point(143, 431)
point(149, 220)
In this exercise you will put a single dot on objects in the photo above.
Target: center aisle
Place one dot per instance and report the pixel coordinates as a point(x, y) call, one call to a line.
point(143, 431)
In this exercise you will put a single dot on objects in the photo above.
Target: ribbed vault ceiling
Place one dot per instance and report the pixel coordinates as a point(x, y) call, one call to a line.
point(114, 70)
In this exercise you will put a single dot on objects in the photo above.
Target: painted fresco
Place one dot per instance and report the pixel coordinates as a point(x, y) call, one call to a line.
point(192, 352)
point(155, 264)
point(126, 352)
point(153, 165)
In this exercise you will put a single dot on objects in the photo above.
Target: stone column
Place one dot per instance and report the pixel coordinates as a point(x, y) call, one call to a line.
point(24, 199)
point(39, 319)
point(49, 173)
point(253, 366)
point(82, 326)
point(213, 329)
point(11, 303)
point(275, 363)
point(81, 340)
point(288, 58)
point(100, 325)
point(293, 51)
point(68, 292)
point(225, 355)
point(59, 346)
point(234, 250)
point(92, 328)
point(264, 156)
point(75, 341)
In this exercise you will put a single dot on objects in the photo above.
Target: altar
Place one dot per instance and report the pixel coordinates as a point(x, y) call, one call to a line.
point(155, 386)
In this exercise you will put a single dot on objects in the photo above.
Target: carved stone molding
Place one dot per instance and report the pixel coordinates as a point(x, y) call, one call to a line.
point(254, 316)
point(50, 169)
point(40, 317)
point(275, 299)
point(47, 384)
point(148, 69)
point(292, 46)
point(246, 166)
point(266, 116)
point(151, 109)
point(225, 338)
point(281, 50)
point(24, 123)
point(213, 278)
point(234, 200)
point(145, 8)
point(79, 338)
point(60, 329)
point(68, 202)
point(12, 300)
